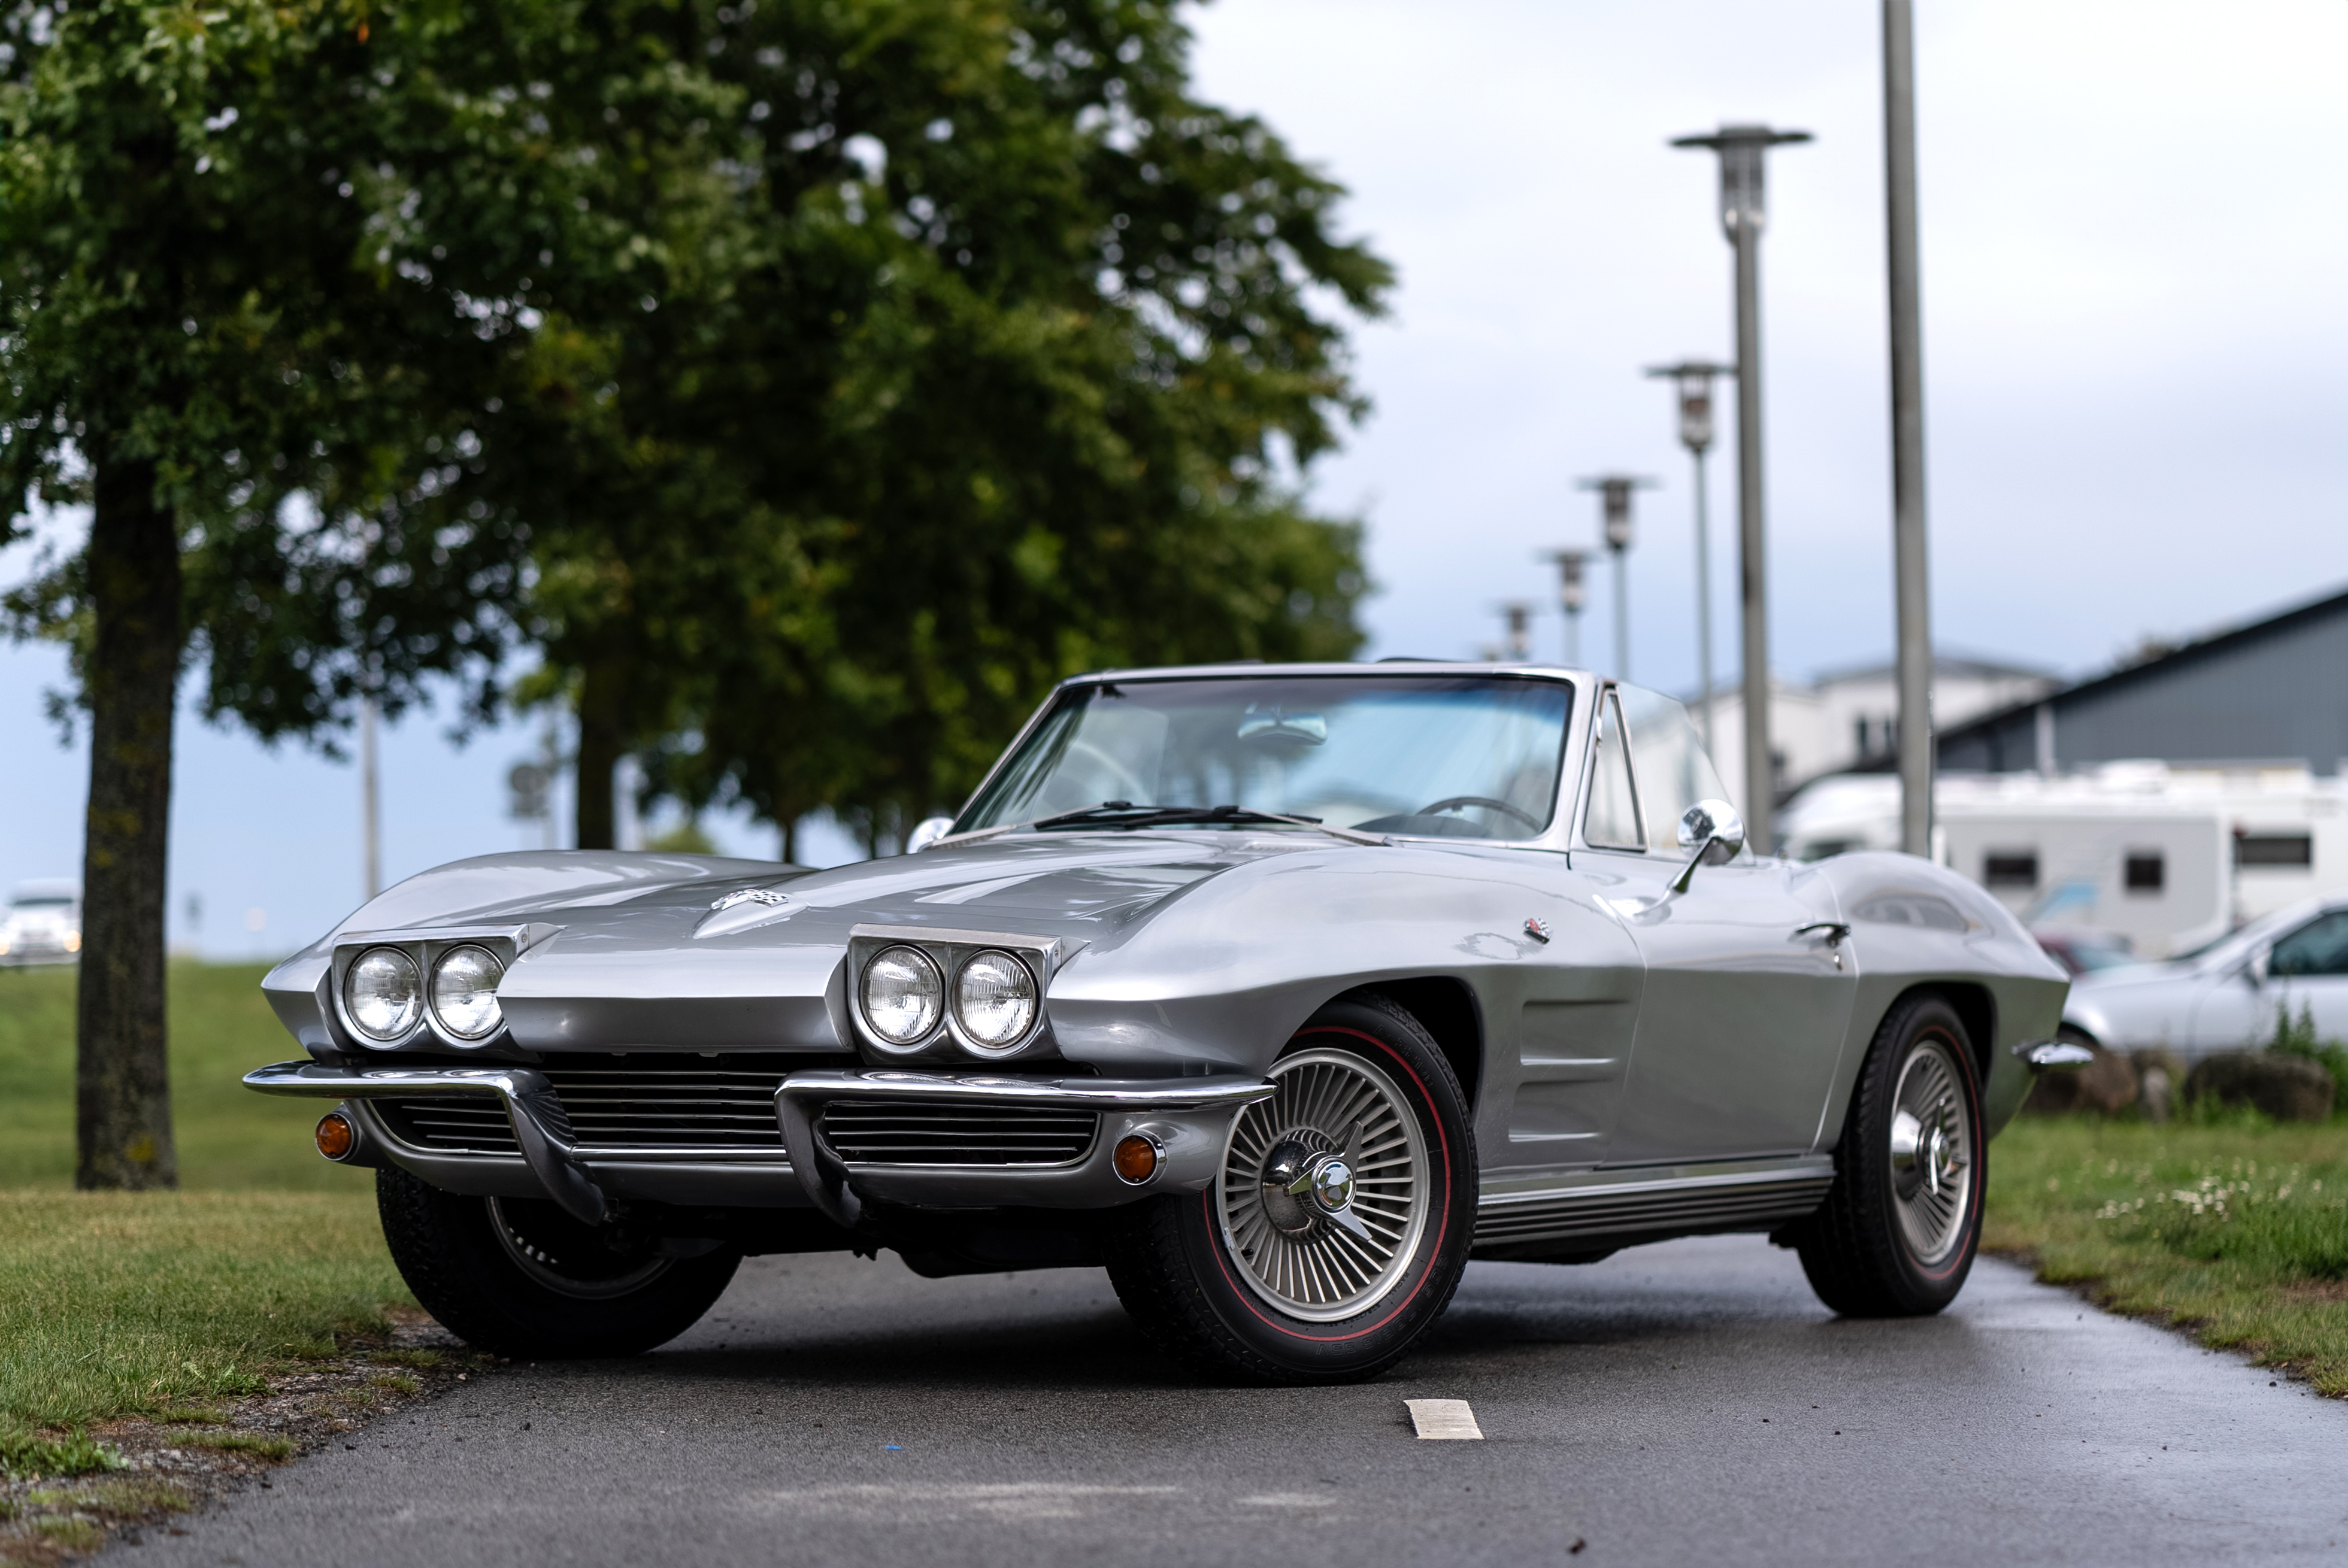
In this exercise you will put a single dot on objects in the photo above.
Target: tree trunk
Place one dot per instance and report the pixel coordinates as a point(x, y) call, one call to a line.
point(122, 1099)
point(602, 741)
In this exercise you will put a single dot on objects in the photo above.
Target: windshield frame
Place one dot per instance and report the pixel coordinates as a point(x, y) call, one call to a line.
point(1555, 837)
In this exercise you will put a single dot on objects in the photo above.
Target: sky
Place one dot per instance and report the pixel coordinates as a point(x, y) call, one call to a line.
point(2133, 239)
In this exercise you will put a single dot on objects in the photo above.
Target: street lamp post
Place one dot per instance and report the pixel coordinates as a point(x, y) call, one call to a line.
point(1614, 504)
point(1573, 593)
point(1518, 615)
point(1694, 378)
point(1744, 151)
point(1908, 570)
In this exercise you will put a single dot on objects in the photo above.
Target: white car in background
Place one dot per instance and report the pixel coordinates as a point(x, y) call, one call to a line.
point(2226, 995)
point(43, 925)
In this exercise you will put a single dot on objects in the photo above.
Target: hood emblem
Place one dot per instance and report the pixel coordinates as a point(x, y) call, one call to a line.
point(750, 896)
point(1537, 928)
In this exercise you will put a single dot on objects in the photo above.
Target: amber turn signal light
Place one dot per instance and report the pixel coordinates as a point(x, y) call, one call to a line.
point(1135, 1158)
point(336, 1135)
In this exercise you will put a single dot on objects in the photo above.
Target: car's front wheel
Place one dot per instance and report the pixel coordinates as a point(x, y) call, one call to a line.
point(1341, 1222)
point(519, 1276)
point(1898, 1230)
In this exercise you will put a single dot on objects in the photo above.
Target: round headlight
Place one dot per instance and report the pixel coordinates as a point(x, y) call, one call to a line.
point(382, 994)
point(994, 998)
point(465, 991)
point(902, 995)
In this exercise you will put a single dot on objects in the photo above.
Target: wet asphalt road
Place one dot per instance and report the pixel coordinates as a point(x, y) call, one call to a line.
point(1678, 1404)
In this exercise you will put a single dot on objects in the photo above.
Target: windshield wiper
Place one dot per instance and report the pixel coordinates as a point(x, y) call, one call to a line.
point(1118, 814)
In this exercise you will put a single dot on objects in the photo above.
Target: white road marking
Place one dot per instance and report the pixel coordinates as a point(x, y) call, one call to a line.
point(1444, 1419)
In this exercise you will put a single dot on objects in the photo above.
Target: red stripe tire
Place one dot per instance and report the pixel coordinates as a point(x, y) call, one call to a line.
point(1342, 1221)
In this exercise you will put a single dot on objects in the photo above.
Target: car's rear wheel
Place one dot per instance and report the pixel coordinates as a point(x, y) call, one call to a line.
point(519, 1276)
point(1898, 1233)
point(1340, 1223)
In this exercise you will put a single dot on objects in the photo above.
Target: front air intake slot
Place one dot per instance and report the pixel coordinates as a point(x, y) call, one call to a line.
point(946, 1133)
point(677, 1104)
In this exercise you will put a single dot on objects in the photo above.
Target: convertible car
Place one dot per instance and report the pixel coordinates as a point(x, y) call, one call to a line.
point(1280, 992)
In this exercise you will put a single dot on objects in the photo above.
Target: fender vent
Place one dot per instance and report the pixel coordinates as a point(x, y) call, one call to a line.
point(901, 1132)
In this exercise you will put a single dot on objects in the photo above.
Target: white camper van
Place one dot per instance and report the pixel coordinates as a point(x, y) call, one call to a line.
point(2163, 859)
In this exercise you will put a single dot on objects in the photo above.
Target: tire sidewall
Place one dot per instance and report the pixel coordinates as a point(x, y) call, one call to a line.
point(1350, 1347)
point(1919, 1288)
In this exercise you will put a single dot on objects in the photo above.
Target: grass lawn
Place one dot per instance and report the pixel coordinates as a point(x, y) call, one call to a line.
point(2236, 1230)
point(229, 1137)
point(115, 1302)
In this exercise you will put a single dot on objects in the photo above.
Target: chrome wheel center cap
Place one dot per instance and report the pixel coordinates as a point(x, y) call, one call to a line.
point(1303, 1186)
point(1333, 1183)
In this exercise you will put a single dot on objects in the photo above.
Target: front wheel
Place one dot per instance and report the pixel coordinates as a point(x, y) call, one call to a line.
point(519, 1276)
point(1896, 1234)
point(1341, 1221)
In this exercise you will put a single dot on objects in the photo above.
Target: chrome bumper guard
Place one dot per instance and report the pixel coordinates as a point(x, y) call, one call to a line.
point(540, 1125)
point(2053, 1055)
point(1189, 1120)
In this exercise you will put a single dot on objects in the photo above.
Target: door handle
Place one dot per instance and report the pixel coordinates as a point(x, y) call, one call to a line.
point(1834, 931)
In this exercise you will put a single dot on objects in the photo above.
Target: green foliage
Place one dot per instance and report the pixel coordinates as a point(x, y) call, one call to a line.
point(687, 837)
point(25, 1455)
point(1020, 356)
point(2296, 1037)
point(2237, 1231)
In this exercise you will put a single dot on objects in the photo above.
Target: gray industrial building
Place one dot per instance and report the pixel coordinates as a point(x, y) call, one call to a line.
point(2272, 692)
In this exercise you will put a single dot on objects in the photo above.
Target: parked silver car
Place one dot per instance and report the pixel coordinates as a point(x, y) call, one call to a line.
point(43, 924)
point(2228, 995)
point(1280, 992)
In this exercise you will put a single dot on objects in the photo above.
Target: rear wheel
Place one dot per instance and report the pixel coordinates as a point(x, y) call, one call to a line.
point(1896, 1234)
point(1341, 1222)
point(519, 1276)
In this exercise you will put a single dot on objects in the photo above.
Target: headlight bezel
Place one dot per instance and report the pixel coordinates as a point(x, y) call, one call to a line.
point(425, 951)
point(951, 953)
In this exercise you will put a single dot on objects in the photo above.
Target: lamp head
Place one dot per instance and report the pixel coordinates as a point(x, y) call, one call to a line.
point(1693, 378)
point(1743, 149)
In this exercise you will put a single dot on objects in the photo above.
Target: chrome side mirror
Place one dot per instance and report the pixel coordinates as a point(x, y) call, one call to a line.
point(2254, 970)
point(926, 832)
point(1707, 826)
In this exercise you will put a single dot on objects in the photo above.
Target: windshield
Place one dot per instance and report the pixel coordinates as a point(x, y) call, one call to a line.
point(1447, 755)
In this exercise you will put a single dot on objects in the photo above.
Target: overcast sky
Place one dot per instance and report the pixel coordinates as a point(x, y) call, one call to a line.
point(2133, 239)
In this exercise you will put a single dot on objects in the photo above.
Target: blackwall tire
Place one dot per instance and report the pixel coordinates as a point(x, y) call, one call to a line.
point(1269, 1285)
point(1900, 1229)
point(519, 1278)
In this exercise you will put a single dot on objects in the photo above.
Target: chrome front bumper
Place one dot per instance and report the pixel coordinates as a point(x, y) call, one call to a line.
point(1189, 1119)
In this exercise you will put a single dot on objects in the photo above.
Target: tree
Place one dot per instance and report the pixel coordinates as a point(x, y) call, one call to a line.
point(1025, 351)
point(266, 271)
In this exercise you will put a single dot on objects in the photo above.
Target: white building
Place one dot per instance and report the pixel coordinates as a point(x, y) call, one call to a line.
point(1849, 718)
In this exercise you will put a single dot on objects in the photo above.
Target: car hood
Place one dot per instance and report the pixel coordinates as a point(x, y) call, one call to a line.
point(624, 949)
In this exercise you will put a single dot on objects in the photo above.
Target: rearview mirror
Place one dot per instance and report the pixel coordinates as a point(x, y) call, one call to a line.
point(2254, 970)
point(1714, 831)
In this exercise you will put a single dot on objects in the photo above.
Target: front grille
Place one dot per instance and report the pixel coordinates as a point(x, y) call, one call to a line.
point(898, 1133)
point(722, 1105)
point(457, 1123)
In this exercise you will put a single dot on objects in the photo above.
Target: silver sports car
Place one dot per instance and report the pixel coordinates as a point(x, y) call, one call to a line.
point(1280, 992)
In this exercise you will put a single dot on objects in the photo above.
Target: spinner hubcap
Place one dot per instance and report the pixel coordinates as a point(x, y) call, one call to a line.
point(1932, 1153)
point(1324, 1189)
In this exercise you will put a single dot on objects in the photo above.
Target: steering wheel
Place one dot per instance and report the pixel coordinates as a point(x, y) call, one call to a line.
point(1448, 801)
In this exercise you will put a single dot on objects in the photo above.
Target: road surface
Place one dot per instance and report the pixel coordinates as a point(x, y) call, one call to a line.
point(1687, 1403)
